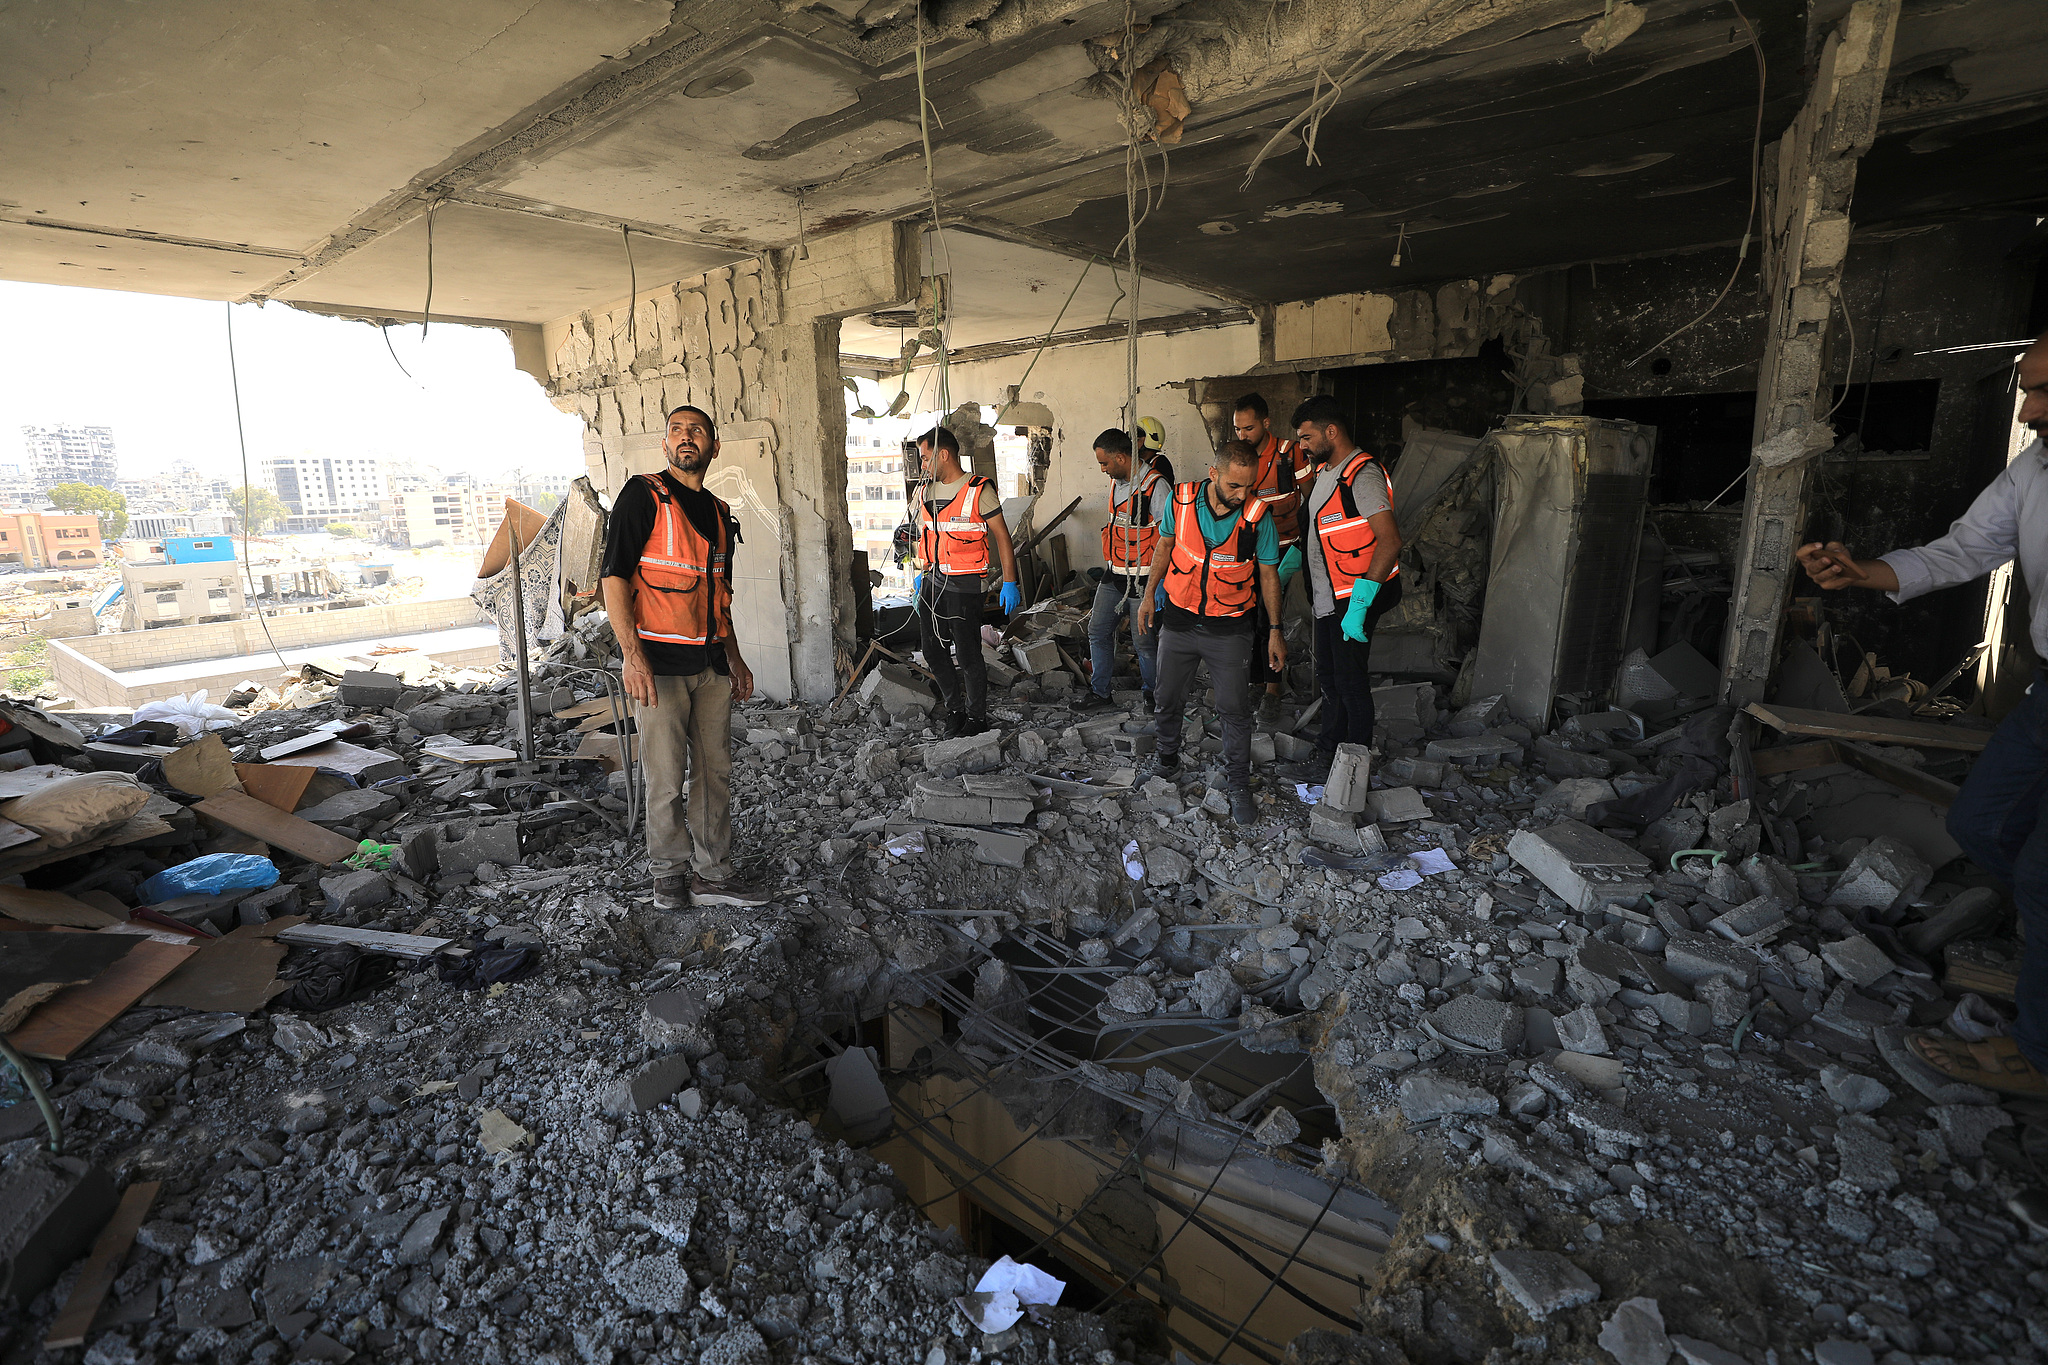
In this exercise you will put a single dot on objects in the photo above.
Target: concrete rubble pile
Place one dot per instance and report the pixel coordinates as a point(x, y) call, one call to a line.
point(1625, 1058)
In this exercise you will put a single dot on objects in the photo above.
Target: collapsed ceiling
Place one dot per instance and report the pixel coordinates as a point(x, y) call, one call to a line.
point(549, 153)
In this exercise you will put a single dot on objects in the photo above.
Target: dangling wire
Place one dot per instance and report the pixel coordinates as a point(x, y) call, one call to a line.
point(248, 493)
point(1132, 157)
point(925, 113)
point(427, 308)
point(803, 248)
point(632, 303)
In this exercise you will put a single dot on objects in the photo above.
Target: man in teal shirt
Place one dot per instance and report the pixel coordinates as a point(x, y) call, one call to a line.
point(1217, 558)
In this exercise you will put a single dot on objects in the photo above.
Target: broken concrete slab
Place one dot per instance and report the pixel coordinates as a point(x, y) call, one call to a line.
point(1857, 959)
point(1428, 1096)
point(1886, 874)
point(51, 1208)
point(1582, 867)
point(895, 688)
point(465, 845)
point(648, 1086)
point(1399, 806)
point(1478, 751)
point(976, 800)
point(968, 754)
point(1542, 1282)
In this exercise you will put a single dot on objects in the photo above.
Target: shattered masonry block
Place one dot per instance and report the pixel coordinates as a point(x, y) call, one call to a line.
point(50, 1211)
point(1335, 830)
point(1543, 1282)
point(674, 1021)
point(895, 688)
point(1757, 916)
point(356, 891)
point(1484, 711)
point(647, 1086)
point(1427, 1097)
point(976, 800)
point(1132, 746)
point(1582, 866)
point(1399, 806)
point(1413, 703)
point(1478, 1022)
point(1884, 876)
point(1857, 959)
point(968, 754)
point(1349, 785)
point(1482, 751)
point(466, 845)
point(1420, 771)
point(1291, 748)
point(362, 687)
point(1693, 957)
point(1263, 748)
point(1580, 1031)
point(1036, 656)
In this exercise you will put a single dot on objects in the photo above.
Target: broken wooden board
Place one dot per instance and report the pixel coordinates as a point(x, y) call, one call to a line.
point(1794, 720)
point(52, 907)
point(280, 829)
point(607, 749)
point(236, 974)
point(466, 755)
point(282, 785)
point(593, 706)
point(74, 1320)
point(604, 720)
point(73, 1016)
point(1819, 753)
point(369, 940)
point(33, 971)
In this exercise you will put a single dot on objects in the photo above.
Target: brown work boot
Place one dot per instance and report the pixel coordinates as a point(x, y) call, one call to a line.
point(734, 892)
point(672, 893)
point(1995, 1063)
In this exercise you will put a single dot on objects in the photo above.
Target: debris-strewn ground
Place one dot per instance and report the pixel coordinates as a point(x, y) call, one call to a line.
point(1615, 1130)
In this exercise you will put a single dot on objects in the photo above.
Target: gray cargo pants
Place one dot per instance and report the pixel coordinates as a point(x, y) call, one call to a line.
point(690, 732)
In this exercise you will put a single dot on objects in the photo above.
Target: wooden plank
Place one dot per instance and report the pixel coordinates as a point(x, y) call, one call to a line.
point(243, 813)
point(1909, 780)
point(51, 907)
point(1791, 758)
point(369, 940)
point(38, 967)
point(71, 1018)
point(1795, 720)
point(592, 707)
point(71, 1324)
point(282, 785)
point(605, 721)
point(237, 973)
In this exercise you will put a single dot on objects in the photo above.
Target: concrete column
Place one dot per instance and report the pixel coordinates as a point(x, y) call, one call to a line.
point(1806, 240)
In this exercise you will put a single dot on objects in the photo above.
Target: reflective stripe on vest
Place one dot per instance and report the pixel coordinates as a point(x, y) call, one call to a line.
point(956, 540)
point(681, 590)
point(1131, 537)
point(1278, 485)
point(1346, 537)
point(1207, 580)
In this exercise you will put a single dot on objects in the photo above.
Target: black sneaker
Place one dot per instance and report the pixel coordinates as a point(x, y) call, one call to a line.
point(1163, 765)
point(1148, 701)
point(672, 893)
point(955, 726)
point(1243, 809)
point(1090, 700)
point(734, 892)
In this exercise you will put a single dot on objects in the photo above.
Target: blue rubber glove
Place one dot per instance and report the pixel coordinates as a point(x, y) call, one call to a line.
point(1290, 564)
point(1362, 593)
point(1012, 598)
point(916, 587)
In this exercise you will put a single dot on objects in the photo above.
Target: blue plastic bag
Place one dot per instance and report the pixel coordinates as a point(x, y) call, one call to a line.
point(209, 876)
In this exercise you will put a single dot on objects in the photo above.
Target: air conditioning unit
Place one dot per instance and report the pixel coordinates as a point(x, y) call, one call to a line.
point(1569, 499)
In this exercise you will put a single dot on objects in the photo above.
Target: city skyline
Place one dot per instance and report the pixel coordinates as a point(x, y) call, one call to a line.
point(155, 370)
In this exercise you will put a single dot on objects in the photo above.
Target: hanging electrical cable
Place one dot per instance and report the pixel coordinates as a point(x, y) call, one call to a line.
point(1750, 227)
point(1130, 243)
point(942, 309)
point(248, 493)
point(427, 308)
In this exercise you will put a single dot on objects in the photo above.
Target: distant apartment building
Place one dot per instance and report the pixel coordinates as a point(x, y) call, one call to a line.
point(51, 540)
point(68, 453)
point(317, 489)
point(531, 488)
point(874, 487)
point(155, 526)
point(449, 514)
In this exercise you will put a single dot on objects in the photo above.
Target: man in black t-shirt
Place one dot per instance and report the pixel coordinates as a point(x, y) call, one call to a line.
point(667, 584)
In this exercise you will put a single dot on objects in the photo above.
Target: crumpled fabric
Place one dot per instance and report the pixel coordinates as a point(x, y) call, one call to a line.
point(1641, 809)
point(328, 978)
point(487, 965)
point(540, 572)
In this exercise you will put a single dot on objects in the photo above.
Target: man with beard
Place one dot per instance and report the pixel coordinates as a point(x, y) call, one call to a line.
point(1216, 557)
point(1997, 817)
point(1354, 571)
point(668, 591)
point(959, 519)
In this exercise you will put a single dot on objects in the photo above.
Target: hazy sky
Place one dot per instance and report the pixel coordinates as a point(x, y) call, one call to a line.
point(156, 370)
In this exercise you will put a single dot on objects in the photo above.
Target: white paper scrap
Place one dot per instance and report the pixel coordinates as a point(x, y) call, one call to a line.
point(910, 842)
point(1400, 879)
point(1431, 861)
point(1309, 795)
point(1012, 1287)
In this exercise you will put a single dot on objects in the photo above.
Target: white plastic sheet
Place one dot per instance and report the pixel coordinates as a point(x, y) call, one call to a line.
point(1011, 1288)
point(1133, 867)
point(191, 715)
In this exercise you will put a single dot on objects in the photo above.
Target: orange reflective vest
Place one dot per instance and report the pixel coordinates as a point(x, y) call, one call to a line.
point(1220, 580)
point(1346, 537)
point(1282, 471)
point(682, 591)
point(956, 540)
point(1131, 536)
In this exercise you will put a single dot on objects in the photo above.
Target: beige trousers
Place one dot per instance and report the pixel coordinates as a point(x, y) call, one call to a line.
point(689, 735)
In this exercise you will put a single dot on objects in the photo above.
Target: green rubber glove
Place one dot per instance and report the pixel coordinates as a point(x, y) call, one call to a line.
point(1362, 593)
point(1290, 565)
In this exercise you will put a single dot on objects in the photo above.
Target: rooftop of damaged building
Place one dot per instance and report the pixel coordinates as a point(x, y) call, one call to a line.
point(1608, 1014)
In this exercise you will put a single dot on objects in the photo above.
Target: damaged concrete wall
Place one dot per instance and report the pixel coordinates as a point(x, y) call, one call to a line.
point(757, 346)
